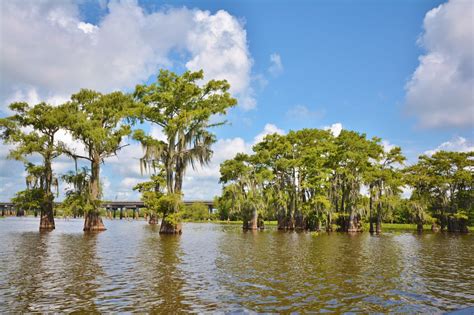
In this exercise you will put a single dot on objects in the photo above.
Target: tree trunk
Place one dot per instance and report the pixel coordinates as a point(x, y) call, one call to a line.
point(378, 228)
point(419, 227)
point(153, 219)
point(252, 224)
point(354, 223)
point(318, 225)
point(329, 223)
point(169, 228)
point(434, 227)
point(47, 215)
point(281, 221)
point(371, 220)
point(299, 221)
point(93, 222)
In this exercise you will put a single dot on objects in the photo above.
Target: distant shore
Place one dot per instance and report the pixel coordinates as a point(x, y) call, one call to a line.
point(385, 226)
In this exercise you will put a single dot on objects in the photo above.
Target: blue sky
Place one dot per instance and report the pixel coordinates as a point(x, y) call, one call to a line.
point(399, 70)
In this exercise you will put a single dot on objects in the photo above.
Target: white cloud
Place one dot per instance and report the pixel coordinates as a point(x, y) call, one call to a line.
point(441, 90)
point(268, 130)
point(335, 129)
point(218, 45)
point(87, 27)
point(157, 133)
point(276, 66)
point(457, 144)
point(387, 146)
point(49, 52)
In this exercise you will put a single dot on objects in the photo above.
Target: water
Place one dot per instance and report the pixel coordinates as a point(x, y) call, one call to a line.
point(211, 267)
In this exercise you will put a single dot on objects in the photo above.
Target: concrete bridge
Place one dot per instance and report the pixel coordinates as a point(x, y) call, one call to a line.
point(115, 205)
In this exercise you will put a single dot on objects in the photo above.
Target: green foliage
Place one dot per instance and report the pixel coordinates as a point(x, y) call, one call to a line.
point(182, 108)
point(33, 130)
point(96, 120)
point(302, 178)
point(28, 200)
point(78, 198)
point(444, 183)
point(196, 212)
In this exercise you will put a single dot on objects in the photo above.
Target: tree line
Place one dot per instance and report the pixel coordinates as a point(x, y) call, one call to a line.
point(306, 180)
point(312, 180)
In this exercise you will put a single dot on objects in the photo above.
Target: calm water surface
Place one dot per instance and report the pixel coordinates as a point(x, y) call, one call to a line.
point(211, 267)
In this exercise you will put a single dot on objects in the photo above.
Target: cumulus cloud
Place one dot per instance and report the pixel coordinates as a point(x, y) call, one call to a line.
point(49, 52)
point(218, 44)
point(441, 90)
point(268, 130)
point(457, 144)
point(335, 129)
point(276, 66)
point(387, 146)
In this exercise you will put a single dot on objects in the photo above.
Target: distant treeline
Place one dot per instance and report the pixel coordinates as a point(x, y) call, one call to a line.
point(311, 180)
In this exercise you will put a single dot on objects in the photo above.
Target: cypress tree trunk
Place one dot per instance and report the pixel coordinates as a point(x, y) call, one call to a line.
point(153, 220)
point(371, 219)
point(47, 219)
point(354, 223)
point(169, 228)
point(281, 221)
point(378, 227)
point(329, 223)
point(252, 224)
point(419, 227)
point(47, 215)
point(93, 222)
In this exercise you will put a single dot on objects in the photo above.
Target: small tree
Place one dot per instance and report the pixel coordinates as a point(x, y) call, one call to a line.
point(33, 130)
point(78, 194)
point(152, 191)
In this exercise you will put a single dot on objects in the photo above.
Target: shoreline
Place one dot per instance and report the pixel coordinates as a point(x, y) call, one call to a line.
point(385, 226)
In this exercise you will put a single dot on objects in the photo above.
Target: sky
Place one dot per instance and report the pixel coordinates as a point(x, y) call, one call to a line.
point(399, 70)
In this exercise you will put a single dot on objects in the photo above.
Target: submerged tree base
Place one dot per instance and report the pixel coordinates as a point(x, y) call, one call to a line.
point(169, 228)
point(253, 224)
point(93, 223)
point(153, 219)
point(349, 223)
point(458, 224)
point(47, 222)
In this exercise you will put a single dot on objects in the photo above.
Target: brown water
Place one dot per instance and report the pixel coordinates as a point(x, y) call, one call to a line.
point(211, 267)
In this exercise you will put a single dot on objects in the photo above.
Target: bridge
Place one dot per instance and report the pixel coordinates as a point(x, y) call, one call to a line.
point(116, 205)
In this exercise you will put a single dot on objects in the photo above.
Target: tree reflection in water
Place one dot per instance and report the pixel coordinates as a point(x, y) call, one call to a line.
point(161, 279)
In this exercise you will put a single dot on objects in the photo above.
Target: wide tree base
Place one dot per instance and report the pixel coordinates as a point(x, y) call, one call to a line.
point(349, 224)
point(47, 223)
point(168, 228)
point(253, 225)
point(93, 223)
point(153, 219)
